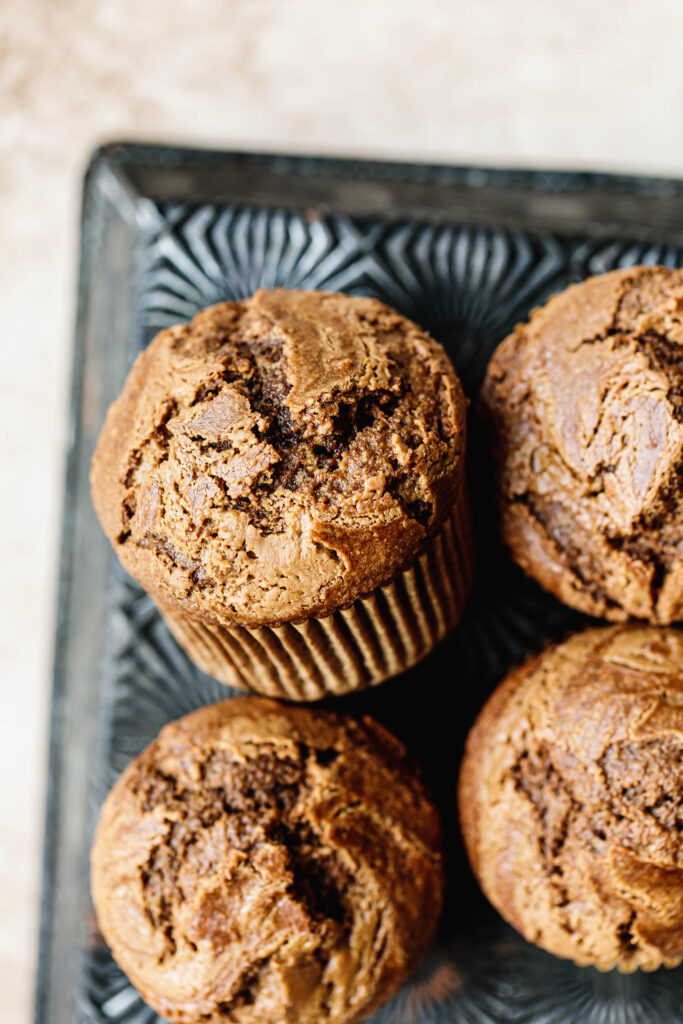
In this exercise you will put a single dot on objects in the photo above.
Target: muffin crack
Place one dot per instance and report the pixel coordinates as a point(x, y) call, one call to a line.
point(625, 936)
point(643, 778)
point(246, 989)
point(535, 776)
point(665, 356)
point(580, 561)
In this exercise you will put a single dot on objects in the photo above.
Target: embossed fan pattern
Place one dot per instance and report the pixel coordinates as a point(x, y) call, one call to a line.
point(468, 286)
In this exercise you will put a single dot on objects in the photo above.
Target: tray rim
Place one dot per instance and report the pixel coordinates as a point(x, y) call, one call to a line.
point(117, 160)
point(610, 196)
point(122, 152)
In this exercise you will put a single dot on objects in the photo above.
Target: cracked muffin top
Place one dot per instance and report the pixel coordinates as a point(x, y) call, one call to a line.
point(571, 798)
point(280, 457)
point(265, 863)
point(585, 403)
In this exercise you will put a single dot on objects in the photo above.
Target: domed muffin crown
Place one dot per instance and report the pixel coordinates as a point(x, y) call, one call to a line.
point(280, 457)
point(571, 798)
point(585, 403)
point(264, 863)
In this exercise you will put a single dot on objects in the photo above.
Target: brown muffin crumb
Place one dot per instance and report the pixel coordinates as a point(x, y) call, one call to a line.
point(571, 798)
point(280, 457)
point(585, 403)
point(265, 863)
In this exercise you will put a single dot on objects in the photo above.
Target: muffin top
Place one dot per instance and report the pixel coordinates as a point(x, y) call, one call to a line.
point(268, 863)
point(571, 798)
point(280, 457)
point(586, 408)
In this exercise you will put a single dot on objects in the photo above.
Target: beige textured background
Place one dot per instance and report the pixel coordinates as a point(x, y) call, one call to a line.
point(584, 84)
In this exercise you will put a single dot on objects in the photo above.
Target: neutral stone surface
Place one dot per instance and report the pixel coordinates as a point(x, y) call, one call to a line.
point(575, 85)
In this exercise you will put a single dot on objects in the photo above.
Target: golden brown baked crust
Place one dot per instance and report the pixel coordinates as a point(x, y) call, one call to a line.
point(586, 407)
point(571, 798)
point(265, 863)
point(280, 457)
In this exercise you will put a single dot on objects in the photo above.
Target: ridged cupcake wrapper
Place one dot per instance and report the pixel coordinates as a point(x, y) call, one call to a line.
point(375, 638)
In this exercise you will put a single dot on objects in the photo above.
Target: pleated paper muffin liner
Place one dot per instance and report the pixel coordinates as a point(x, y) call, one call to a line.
point(377, 637)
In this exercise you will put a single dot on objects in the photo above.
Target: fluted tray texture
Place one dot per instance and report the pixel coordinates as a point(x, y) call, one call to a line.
point(468, 285)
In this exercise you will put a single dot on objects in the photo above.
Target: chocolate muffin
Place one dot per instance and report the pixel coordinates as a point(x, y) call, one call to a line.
point(571, 798)
point(585, 403)
point(265, 863)
point(285, 477)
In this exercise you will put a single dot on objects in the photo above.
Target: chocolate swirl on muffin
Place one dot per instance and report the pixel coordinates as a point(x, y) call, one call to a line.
point(265, 863)
point(571, 798)
point(585, 403)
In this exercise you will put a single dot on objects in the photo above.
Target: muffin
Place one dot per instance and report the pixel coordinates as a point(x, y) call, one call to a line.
point(285, 477)
point(585, 403)
point(263, 862)
point(571, 798)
